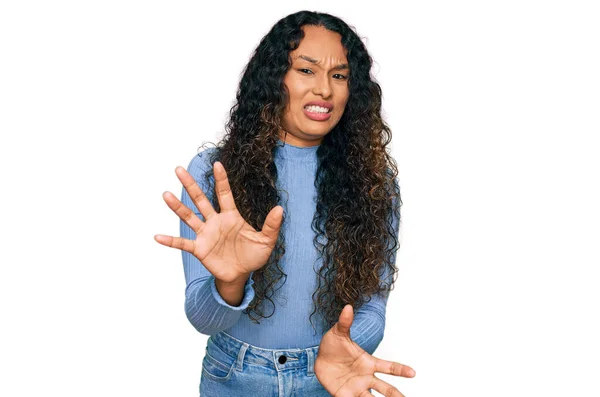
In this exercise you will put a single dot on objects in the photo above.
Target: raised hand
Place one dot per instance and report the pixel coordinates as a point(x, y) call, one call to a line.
point(225, 243)
point(344, 369)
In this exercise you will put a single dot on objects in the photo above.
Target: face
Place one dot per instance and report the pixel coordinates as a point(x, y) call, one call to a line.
point(319, 72)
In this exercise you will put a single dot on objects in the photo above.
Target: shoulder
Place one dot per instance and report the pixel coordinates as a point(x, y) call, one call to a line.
point(201, 163)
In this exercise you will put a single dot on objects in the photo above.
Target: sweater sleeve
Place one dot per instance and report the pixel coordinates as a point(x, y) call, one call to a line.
point(204, 307)
point(369, 320)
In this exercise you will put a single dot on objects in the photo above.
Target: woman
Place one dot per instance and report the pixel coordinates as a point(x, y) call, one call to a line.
point(306, 123)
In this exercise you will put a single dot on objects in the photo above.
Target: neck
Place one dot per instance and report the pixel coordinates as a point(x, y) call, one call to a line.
point(293, 140)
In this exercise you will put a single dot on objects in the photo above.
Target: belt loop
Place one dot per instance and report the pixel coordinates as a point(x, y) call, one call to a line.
point(310, 368)
point(240, 357)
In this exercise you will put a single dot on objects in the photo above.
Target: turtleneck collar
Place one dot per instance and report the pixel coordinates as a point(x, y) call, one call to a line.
point(291, 152)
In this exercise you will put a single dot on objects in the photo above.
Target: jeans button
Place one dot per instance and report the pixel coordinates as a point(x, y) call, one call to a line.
point(282, 359)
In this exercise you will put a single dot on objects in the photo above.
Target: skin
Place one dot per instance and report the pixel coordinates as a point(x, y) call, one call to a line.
point(344, 369)
point(230, 249)
point(307, 81)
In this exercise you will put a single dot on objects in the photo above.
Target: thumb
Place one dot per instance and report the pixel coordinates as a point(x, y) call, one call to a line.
point(273, 223)
point(345, 320)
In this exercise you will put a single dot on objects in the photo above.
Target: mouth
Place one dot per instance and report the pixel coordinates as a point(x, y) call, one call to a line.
point(317, 109)
point(322, 107)
point(317, 113)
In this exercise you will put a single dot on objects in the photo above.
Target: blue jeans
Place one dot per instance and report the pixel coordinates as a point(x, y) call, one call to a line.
point(233, 368)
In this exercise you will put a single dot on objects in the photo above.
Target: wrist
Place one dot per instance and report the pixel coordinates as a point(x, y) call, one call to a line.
point(232, 292)
point(233, 281)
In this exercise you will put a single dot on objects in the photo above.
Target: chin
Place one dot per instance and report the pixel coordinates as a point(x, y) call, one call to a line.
point(318, 130)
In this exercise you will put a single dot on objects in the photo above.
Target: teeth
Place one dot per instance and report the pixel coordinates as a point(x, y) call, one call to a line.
point(316, 109)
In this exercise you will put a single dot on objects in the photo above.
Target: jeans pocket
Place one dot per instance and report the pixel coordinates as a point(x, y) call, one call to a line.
point(217, 364)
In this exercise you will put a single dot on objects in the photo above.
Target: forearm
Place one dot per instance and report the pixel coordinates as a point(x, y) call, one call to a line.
point(208, 311)
point(367, 329)
point(210, 305)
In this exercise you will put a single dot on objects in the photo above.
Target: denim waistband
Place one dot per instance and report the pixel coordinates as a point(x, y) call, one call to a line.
point(277, 359)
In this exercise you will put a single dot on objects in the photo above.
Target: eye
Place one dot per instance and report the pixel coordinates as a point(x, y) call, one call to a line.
point(308, 71)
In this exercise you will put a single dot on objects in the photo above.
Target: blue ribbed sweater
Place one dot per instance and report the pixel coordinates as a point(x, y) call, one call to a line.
point(289, 326)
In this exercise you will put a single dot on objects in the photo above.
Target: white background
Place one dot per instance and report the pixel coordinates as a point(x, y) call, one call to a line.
point(494, 107)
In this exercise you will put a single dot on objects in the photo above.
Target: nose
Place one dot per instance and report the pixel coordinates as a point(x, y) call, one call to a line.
point(322, 86)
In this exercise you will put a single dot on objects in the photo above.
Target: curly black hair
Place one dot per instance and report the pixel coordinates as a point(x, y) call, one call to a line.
point(358, 192)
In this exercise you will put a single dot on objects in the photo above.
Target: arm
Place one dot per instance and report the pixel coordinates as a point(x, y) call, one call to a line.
point(210, 305)
point(369, 320)
point(368, 327)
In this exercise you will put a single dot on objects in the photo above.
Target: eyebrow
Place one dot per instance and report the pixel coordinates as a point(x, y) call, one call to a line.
point(311, 60)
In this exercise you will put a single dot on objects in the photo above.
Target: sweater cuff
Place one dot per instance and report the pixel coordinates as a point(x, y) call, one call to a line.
point(248, 294)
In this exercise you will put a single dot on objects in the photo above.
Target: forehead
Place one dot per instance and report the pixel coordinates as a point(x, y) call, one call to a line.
point(321, 44)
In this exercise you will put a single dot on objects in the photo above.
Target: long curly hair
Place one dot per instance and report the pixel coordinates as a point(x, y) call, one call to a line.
point(356, 177)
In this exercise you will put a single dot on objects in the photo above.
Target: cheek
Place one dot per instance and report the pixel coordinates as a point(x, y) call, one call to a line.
point(342, 107)
point(343, 94)
point(289, 84)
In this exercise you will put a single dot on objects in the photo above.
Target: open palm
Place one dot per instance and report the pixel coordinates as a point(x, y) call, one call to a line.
point(344, 369)
point(225, 243)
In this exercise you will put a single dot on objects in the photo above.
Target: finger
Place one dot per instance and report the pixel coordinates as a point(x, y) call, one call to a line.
point(366, 393)
point(196, 194)
point(384, 388)
point(223, 189)
point(363, 383)
point(175, 242)
point(393, 368)
point(345, 320)
point(183, 212)
point(273, 223)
